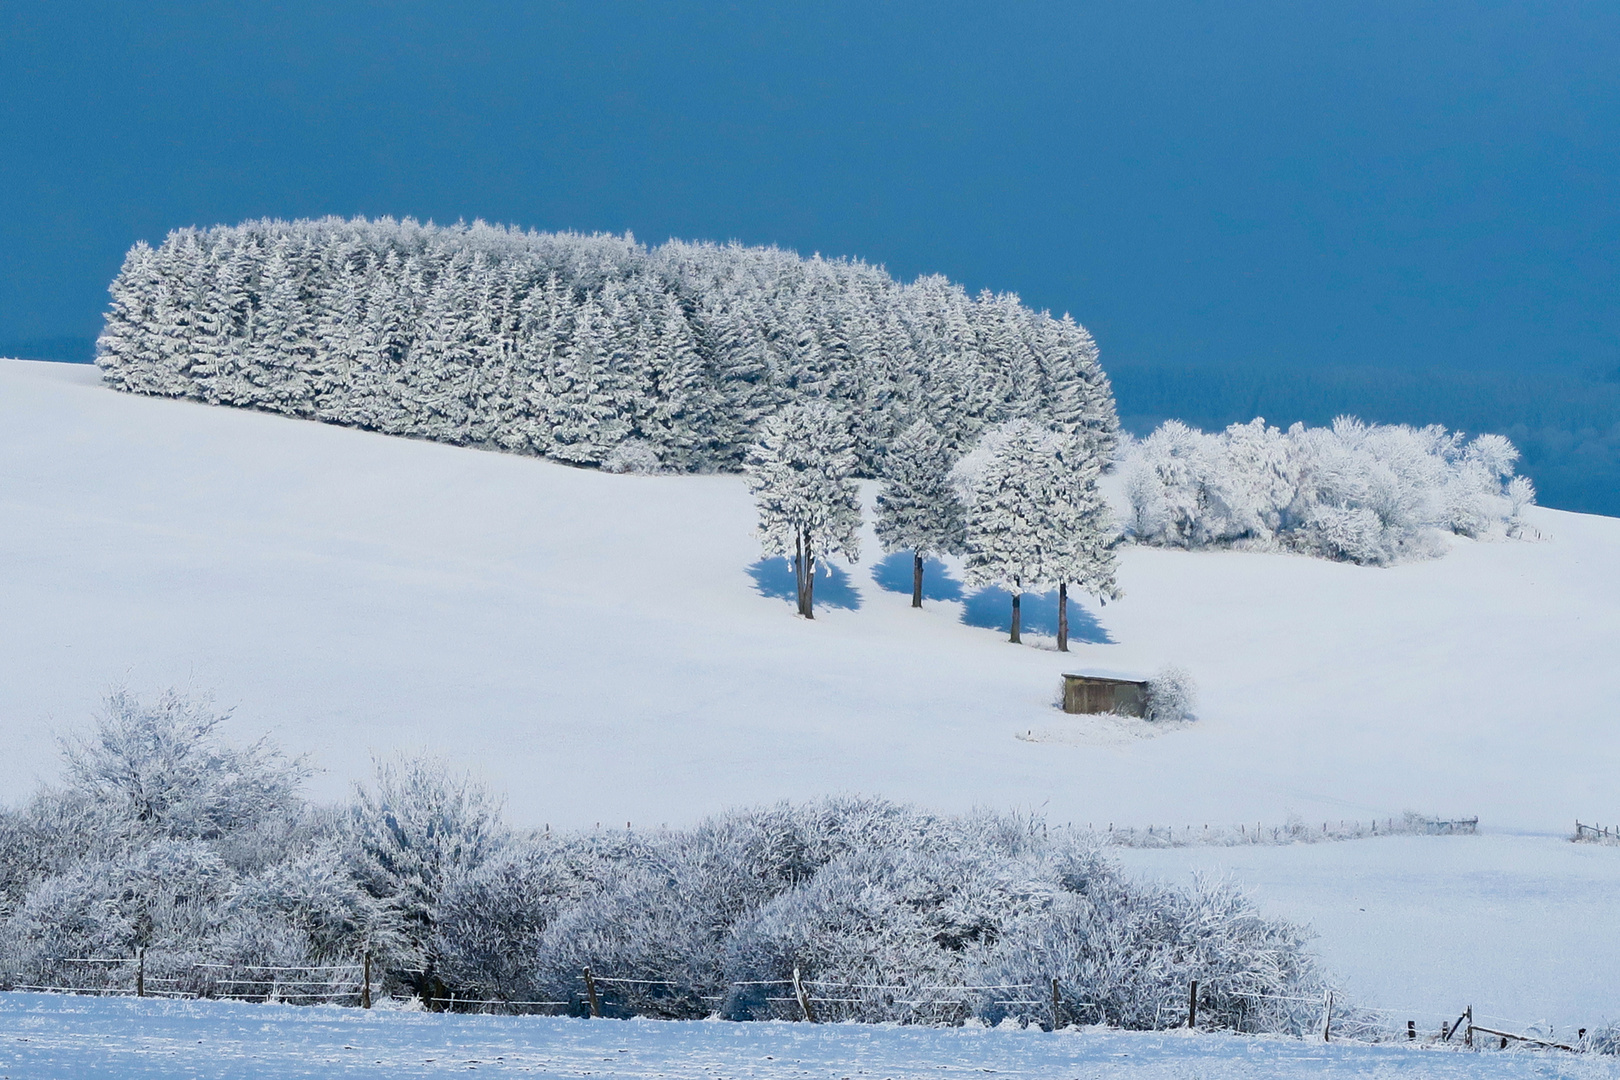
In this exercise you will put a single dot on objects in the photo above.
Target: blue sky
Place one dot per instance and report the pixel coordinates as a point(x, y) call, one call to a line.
point(1252, 205)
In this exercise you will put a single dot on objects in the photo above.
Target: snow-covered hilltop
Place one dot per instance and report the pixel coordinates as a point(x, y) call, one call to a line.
point(610, 647)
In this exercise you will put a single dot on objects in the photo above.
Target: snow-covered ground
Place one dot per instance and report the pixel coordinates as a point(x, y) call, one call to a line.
point(598, 647)
point(1521, 928)
point(602, 649)
point(43, 1036)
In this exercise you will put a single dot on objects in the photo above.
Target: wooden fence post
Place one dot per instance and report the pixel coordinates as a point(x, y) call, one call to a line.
point(365, 986)
point(804, 998)
point(590, 992)
point(1468, 1036)
point(1056, 1005)
point(1192, 1005)
point(1327, 1022)
point(140, 972)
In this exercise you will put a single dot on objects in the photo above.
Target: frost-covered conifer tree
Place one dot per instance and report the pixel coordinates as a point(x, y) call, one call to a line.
point(1080, 526)
point(801, 474)
point(567, 345)
point(1033, 516)
point(1004, 494)
point(917, 510)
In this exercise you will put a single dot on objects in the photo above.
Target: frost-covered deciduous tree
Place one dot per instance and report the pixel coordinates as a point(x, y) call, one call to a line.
point(1003, 494)
point(802, 476)
point(917, 510)
point(1080, 526)
point(417, 828)
point(1366, 493)
point(163, 770)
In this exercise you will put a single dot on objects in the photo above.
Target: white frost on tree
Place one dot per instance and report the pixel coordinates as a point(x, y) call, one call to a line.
point(917, 509)
point(802, 476)
point(1033, 516)
point(1365, 493)
point(418, 828)
point(568, 345)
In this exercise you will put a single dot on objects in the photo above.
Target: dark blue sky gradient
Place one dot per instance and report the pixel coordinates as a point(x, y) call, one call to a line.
point(1243, 189)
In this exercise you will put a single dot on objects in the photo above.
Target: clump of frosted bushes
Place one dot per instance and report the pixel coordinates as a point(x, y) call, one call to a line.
point(1366, 493)
point(166, 841)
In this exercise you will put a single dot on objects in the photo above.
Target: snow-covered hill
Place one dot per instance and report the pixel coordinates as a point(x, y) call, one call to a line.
point(600, 646)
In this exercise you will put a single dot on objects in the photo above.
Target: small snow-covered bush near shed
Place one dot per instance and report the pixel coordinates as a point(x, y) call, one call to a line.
point(633, 456)
point(1365, 493)
point(1171, 696)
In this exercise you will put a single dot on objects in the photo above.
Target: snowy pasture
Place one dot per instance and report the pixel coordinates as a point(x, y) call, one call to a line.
point(610, 648)
point(45, 1036)
point(1520, 927)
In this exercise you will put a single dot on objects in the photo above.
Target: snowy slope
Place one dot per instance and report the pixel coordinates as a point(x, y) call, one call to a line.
point(44, 1036)
point(596, 644)
point(598, 648)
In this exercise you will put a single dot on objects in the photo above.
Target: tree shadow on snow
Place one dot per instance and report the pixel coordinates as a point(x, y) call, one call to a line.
point(992, 609)
point(774, 578)
point(893, 574)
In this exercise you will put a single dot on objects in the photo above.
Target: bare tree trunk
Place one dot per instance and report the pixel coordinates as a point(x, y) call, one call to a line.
point(1015, 639)
point(916, 579)
point(804, 571)
point(1063, 617)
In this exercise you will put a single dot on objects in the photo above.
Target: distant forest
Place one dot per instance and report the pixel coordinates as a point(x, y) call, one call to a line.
point(1565, 420)
point(581, 348)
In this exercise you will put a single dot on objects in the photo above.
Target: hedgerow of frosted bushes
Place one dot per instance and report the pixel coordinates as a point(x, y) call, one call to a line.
point(163, 837)
point(1366, 493)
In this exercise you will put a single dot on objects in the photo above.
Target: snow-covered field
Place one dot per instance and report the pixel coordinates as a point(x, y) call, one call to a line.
point(1521, 928)
point(597, 646)
point(602, 649)
point(43, 1036)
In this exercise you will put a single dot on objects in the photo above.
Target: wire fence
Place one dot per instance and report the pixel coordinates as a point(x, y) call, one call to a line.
point(1291, 832)
point(136, 976)
point(817, 1000)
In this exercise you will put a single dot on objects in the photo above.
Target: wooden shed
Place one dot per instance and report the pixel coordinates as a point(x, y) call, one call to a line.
point(1088, 693)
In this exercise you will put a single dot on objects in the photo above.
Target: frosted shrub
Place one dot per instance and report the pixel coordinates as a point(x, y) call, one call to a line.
point(1605, 1040)
point(1171, 696)
point(162, 769)
point(646, 928)
point(882, 928)
point(889, 912)
point(489, 924)
point(633, 456)
point(1124, 954)
point(168, 897)
point(417, 828)
point(1365, 493)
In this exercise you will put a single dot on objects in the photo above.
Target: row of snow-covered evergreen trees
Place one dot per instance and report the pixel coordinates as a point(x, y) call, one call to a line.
point(1022, 507)
point(587, 349)
point(166, 841)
